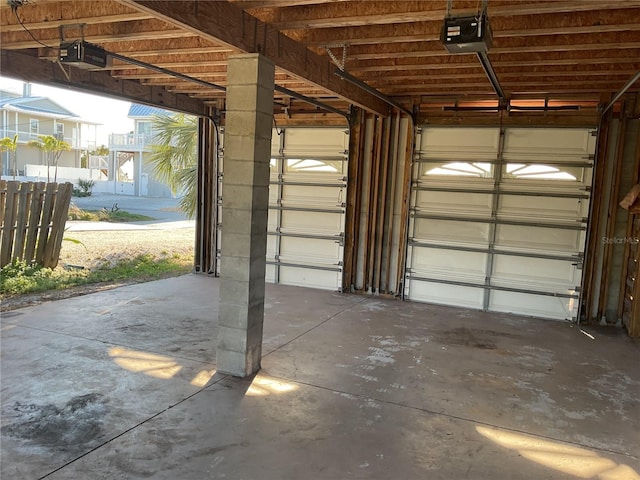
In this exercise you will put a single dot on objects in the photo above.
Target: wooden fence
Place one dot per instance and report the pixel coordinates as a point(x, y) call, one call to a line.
point(33, 216)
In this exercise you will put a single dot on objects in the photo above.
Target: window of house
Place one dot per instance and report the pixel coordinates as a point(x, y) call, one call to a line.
point(144, 128)
point(34, 127)
point(60, 131)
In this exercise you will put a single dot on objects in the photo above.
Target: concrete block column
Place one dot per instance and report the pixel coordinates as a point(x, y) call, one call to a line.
point(245, 193)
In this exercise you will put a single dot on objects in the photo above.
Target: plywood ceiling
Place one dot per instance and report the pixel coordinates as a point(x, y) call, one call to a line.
point(543, 49)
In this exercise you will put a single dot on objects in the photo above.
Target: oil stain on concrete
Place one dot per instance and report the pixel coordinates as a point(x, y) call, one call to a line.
point(71, 427)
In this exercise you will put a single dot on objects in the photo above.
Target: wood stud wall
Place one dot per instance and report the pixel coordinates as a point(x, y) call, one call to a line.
point(600, 271)
point(629, 299)
point(375, 170)
point(205, 260)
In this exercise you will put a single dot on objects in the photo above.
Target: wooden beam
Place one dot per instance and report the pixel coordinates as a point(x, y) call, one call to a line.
point(172, 46)
point(94, 33)
point(226, 23)
point(140, 72)
point(213, 78)
point(606, 57)
point(525, 71)
point(47, 15)
point(494, 119)
point(258, 4)
point(514, 86)
point(201, 61)
point(520, 45)
point(31, 69)
point(590, 22)
point(353, 14)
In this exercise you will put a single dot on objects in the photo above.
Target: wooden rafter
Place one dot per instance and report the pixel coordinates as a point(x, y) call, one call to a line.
point(547, 47)
point(331, 15)
point(228, 24)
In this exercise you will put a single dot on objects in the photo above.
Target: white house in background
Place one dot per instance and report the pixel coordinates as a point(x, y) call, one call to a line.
point(129, 152)
point(30, 116)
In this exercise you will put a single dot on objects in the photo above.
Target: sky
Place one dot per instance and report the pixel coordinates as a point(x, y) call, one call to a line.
point(112, 114)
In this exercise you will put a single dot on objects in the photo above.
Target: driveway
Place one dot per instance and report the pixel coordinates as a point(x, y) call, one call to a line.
point(164, 211)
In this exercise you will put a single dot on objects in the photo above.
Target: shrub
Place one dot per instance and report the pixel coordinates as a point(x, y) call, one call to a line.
point(84, 188)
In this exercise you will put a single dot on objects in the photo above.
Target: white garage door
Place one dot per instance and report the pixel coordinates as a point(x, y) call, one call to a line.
point(498, 218)
point(307, 198)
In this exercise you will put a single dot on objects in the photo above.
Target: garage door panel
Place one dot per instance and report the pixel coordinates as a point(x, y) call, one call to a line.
point(459, 143)
point(543, 208)
point(271, 246)
point(535, 207)
point(315, 196)
point(455, 203)
point(316, 141)
point(306, 277)
point(534, 273)
point(449, 232)
point(441, 294)
point(312, 222)
point(273, 195)
point(548, 240)
point(270, 272)
point(533, 305)
point(549, 143)
point(309, 250)
point(307, 172)
point(275, 143)
point(455, 265)
point(272, 220)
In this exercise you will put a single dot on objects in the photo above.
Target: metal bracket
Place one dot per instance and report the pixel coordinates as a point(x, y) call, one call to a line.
point(339, 64)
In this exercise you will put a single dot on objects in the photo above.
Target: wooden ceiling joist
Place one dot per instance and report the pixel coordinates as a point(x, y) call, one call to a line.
point(95, 33)
point(593, 21)
point(577, 48)
point(351, 14)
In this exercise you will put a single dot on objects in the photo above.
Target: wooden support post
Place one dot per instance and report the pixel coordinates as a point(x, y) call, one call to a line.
point(205, 259)
point(366, 190)
point(373, 202)
point(354, 198)
point(594, 216)
point(612, 210)
point(392, 199)
point(382, 209)
point(404, 232)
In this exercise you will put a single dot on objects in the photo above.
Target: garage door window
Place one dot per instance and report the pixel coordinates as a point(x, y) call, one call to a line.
point(464, 169)
point(523, 171)
point(309, 165)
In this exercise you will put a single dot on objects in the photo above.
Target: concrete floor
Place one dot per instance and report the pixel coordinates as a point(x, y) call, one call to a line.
point(121, 385)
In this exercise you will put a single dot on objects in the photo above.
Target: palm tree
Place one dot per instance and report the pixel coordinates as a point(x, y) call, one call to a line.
point(101, 151)
point(174, 157)
point(52, 148)
point(10, 145)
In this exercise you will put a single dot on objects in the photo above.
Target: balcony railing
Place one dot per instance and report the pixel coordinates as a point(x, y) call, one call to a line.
point(24, 137)
point(139, 141)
